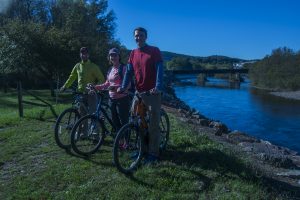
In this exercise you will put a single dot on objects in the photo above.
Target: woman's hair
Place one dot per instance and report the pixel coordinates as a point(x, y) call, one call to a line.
point(119, 58)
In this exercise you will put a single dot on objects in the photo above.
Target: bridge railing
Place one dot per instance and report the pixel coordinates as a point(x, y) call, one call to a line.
point(209, 71)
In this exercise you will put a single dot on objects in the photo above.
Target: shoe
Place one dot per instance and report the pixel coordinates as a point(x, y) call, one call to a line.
point(151, 159)
point(134, 155)
point(95, 138)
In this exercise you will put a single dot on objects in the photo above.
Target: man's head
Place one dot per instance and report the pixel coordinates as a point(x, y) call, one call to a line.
point(140, 36)
point(84, 53)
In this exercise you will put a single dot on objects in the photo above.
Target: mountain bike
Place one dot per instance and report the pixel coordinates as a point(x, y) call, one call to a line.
point(129, 142)
point(66, 121)
point(89, 131)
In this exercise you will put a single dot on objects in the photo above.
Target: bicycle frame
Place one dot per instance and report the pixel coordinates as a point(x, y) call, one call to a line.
point(100, 110)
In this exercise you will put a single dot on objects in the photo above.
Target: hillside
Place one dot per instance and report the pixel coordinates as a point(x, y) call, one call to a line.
point(167, 56)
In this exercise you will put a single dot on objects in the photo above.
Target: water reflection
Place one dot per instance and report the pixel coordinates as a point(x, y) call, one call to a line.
point(253, 111)
point(276, 105)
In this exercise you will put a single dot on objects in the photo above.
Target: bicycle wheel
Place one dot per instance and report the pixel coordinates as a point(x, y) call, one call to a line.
point(164, 126)
point(63, 127)
point(127, 151)
point(87, 135)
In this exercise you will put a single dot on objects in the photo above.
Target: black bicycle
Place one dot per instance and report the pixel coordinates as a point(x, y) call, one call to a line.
point(129, 142)
point(66, 121)
point(89, 131)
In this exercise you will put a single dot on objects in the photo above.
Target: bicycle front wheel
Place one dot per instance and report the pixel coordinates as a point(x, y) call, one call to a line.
point(164, 126)
point(63, 127)
point(87, 135)
point(127, 151)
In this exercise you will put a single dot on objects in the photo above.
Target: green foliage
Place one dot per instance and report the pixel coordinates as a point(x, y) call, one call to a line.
point(279, 71)
point(179, 63)
point(183, 62)
point(40, 40)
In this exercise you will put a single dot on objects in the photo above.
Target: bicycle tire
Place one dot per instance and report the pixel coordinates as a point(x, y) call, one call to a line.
point(127, 150)
point(164, 126)
point(62, 129)
point(87, 135)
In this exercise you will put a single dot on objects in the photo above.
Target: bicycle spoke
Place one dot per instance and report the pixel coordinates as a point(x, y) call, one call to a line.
point(87, 135)
point(127, 149)
point(63, 127)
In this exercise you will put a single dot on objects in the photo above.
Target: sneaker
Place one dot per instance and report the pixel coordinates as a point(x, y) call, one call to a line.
point(151, 159)
point(134, 155)
point(95, 138)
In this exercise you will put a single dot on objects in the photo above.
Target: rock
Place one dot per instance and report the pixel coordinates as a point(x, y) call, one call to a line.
point(218, 132)
point(290, 173)
point(277, 160)
point(238, 137)
point(220, 128)
point(180, 110)
point(203, 122)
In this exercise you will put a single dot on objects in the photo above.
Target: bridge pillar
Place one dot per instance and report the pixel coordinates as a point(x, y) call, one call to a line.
point(235, 80)
point(201, 79)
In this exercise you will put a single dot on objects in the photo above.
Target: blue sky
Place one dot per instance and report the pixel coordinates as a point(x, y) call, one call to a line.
point(247, 29)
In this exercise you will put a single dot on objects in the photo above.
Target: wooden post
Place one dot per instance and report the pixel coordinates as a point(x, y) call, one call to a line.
point(20, 101)
point(57, 85)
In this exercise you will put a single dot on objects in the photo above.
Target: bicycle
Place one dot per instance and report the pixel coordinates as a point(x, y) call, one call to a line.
point(129, 142)
point(66, 121)
point(89, 131)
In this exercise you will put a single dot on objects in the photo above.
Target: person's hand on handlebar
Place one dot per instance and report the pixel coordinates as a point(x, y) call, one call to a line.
point(113, 88)
point(155, 91)
point(90, 86)
point(120, 90)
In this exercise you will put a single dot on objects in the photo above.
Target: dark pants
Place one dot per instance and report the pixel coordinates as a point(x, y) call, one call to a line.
point(89, 104)
point(120, 111)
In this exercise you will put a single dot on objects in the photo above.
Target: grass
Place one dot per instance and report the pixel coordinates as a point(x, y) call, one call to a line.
point(32, 166)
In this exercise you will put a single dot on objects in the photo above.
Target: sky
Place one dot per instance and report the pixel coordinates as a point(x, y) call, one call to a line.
point(246, 29)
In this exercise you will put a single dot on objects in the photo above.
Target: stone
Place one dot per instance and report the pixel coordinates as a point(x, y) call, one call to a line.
point(237, 137)
point(203, 122)
point(290, 173)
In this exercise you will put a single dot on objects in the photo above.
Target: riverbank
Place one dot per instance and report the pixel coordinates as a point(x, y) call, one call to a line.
point(274, 162)
point(288, 94)
point(285, 94)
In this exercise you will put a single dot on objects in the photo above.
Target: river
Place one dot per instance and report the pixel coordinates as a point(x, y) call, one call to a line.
point(252, 111)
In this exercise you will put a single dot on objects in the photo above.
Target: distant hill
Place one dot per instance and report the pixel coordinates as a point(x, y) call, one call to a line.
point(218, 61)
point(167, 56)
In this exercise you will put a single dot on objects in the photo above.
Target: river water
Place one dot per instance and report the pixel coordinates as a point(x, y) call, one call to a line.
point(254, 112)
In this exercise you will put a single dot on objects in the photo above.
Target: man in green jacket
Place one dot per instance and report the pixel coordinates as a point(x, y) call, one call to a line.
point(85, 72)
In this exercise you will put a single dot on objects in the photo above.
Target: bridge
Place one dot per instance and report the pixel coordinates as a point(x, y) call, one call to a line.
point(234, 77)
point(210, 71)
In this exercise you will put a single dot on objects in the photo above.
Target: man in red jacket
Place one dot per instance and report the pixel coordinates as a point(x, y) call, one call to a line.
point(146, 63)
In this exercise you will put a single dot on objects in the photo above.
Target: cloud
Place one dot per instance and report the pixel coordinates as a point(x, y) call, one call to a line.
point(4, 5)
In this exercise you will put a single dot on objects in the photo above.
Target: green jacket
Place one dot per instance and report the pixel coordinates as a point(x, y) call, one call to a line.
point(85, 72)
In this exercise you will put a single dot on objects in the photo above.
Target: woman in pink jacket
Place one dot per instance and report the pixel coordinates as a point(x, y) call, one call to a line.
point(119, 102)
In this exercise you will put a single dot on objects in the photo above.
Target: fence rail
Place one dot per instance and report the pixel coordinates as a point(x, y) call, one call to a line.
point(21, 101)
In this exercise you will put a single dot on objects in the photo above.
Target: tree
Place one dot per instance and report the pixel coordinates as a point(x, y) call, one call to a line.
point(279, 71)
point(43, 38)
